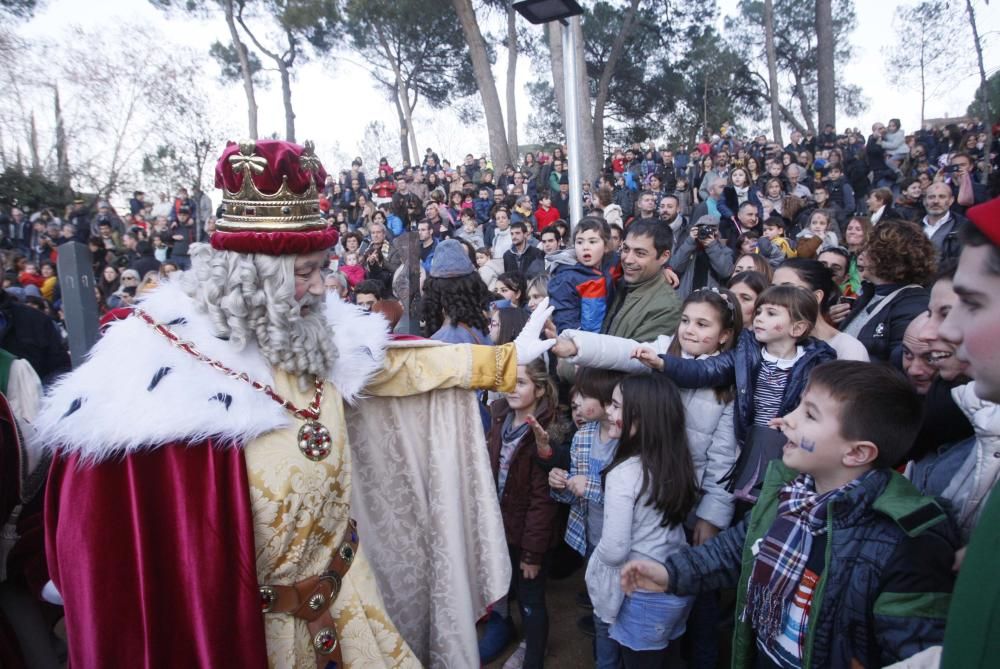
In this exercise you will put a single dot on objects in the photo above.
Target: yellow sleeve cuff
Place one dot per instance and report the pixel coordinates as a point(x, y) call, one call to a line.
point(494, 368)
point(411, 371)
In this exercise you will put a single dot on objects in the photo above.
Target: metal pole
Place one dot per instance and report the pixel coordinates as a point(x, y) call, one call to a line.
point(572, 121)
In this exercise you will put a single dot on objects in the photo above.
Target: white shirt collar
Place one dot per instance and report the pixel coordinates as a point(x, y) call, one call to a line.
point(782, 363)
point(930, 229)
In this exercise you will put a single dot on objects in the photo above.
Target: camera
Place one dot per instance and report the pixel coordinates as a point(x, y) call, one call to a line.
point(706, 231)
point(950, 169)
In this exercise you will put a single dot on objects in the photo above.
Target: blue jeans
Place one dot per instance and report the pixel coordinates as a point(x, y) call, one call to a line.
point(530, 594)
point(607, 652)
point(650, 620)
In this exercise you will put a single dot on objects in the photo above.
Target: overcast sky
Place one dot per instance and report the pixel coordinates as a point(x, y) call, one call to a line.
point(334, 101)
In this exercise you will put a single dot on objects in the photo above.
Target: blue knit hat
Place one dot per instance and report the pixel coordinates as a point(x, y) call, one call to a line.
point(451, 259)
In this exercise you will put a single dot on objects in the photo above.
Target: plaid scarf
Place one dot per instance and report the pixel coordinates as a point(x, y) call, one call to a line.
point(784, 551)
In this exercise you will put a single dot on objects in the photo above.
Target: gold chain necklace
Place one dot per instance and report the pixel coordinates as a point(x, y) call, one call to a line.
point(314, 438)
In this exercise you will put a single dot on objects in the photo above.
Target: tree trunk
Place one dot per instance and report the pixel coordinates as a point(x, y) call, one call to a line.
point(512, 140)
point(284, 64)
point(923, 80)
point(772, 70)
point(404, 143)
point(704, 107)
point(604, 83)
point(241, 50)
point(36, 161)
point(408, 107)
point(62, 153)
point(286, 99)
point(825, 82)
point(499, 149)
point(402, 98)
point(800, 95)
point(983, 86)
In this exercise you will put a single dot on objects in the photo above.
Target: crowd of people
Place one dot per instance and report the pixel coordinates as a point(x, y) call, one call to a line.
point(758, 419)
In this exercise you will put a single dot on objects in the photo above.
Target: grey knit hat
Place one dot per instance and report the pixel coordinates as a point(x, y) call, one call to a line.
point(450, 260)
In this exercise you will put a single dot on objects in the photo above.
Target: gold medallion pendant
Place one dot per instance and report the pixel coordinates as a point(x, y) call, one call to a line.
point(314, 440)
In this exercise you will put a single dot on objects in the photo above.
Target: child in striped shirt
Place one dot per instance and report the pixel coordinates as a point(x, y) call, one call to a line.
point(770, 366)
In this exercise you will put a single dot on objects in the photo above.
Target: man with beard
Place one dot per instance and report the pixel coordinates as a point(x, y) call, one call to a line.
point(941, 224)
point(645, 305)
point(214, 471)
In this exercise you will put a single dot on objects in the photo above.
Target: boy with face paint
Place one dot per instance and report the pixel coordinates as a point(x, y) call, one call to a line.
point(842, 561)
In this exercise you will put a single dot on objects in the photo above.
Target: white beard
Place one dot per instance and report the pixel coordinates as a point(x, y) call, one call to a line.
point(305, 349)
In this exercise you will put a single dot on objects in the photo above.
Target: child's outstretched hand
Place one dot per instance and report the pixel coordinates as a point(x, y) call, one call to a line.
point(577, 485)
point(647, 356)
point(644, 574)
point(564, 347)
point(780, 423)
point(542, 445)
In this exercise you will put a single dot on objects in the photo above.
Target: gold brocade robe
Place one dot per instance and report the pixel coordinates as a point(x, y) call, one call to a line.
point(301, 507)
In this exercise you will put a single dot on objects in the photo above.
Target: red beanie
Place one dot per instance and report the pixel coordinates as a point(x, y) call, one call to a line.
point(986, 217)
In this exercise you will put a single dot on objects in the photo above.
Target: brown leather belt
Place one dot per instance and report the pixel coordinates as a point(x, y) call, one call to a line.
point(311, 599)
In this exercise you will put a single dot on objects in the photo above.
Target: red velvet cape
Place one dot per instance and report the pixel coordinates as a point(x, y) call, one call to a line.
point(154, 556)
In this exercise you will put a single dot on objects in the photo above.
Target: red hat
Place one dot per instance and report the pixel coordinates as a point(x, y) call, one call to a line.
point(270, 199)
point(986, 217)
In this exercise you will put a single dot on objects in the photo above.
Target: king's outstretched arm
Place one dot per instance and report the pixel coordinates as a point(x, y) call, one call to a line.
point(411, 370)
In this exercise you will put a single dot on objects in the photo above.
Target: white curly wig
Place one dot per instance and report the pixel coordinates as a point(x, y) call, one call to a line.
point(250, 298)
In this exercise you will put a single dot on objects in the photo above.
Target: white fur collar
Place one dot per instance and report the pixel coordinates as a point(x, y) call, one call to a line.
point(136, 391)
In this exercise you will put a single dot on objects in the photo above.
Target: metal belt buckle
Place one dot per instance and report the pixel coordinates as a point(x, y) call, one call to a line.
point(267, 598)
point(335, 582)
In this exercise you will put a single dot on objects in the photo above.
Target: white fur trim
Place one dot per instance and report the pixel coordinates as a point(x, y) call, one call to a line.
point(106, 408)
point(361, 339)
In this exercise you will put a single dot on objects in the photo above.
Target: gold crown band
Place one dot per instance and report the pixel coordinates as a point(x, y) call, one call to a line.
point(270, 225)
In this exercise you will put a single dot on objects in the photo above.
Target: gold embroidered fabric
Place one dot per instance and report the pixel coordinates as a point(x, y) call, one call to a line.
point(424, 488)
point(413, 370)
point(301, 509)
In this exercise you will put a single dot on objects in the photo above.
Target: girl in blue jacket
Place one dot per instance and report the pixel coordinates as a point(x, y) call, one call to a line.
point(769, 366)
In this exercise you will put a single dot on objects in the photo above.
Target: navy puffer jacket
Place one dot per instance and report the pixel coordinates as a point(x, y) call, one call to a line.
point(886, 584)
point(739, 366)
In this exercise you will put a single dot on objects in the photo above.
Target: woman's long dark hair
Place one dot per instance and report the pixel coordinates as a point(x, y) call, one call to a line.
point(818, 276)
point(652, 409)
point(463, 299)
point(512, 321)
point(516, 282)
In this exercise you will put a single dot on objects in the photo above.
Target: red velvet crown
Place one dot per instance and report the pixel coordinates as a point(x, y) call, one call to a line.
point(270, 199)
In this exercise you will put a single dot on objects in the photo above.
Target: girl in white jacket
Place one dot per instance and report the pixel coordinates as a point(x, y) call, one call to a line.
point(649, 489)
point(710, 322)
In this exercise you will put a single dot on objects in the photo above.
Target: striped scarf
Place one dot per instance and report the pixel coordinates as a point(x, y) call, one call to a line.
point(784, 551)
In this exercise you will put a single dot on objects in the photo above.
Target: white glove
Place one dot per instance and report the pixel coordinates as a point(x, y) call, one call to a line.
point(528, 345)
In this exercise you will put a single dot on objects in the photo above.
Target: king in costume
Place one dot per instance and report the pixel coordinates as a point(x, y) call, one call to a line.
point(247, 475)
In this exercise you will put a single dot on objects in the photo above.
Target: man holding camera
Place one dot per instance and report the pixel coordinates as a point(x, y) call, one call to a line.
point(701, 259)
point(406, 204)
